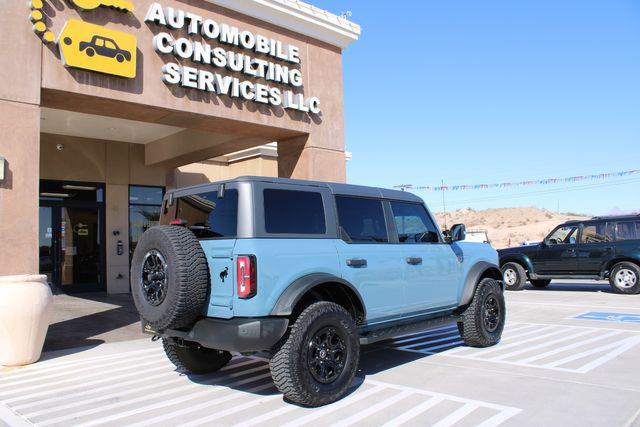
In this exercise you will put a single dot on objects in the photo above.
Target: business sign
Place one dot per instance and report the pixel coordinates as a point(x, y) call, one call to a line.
point(88, 46)
point(207, 48)
point(95, 48)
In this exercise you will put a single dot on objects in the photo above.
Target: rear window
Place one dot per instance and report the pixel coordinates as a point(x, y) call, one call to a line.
point(362, 219)
point(206, 215)
point(293, 212)
point(628, 230)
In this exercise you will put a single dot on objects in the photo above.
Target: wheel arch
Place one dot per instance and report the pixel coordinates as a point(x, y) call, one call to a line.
point(320, 287)
point(523, 260)
point(477, 273)
point(609, 266)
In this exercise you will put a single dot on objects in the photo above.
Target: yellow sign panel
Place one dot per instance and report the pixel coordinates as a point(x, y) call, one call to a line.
point(123, 5)
point(95, 48)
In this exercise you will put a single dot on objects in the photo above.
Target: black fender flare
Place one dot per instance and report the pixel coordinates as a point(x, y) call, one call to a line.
point(473, 278)
point(292, 294)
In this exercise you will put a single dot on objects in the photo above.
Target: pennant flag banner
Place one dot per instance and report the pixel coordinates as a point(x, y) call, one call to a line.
point(546, 181)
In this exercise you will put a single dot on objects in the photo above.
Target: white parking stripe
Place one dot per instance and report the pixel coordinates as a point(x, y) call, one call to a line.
point(236, 408)
point(267, 416)
point(632, 341)
point(373, 409)
point(569, 347)
point(430, 350)
point(414, 412)
point(603, 359)
point(529, 348)
point(321, 412)
point(153, 396)
point(507, 338)
point(173, 414)
point(420, 343)
point(500, 347)
point(51, 365)
point(500, 417)
point(77, 380)
point(103, 397)
point(44, 378)
point(162, 364)
point(456, 416)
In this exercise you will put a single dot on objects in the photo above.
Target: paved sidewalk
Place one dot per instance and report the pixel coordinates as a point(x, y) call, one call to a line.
point(551, 369)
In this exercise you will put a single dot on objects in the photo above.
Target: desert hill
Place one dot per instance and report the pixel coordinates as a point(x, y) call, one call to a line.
point(508, 225)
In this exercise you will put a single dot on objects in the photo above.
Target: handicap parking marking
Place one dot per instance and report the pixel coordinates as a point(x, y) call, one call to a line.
point(567, 348)
point(609, 317)
point(118, 392)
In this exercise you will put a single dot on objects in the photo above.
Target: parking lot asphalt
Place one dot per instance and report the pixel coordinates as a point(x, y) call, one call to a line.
point(569, 356)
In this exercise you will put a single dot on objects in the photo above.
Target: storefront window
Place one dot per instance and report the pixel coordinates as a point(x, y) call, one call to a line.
point(144, 211)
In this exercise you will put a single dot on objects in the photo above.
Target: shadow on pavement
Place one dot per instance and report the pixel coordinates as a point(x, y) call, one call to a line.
point(87, 320)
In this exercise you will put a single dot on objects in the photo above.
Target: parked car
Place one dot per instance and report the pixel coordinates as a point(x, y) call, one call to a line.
point(602, 248)
point(306, 271)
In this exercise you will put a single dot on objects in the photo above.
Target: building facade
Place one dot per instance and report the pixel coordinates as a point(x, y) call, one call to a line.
point(107, 103)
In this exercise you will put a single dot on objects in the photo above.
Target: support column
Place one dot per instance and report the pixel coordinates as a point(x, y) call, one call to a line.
point(20, 74)
point(20, 145)
point(299, 158)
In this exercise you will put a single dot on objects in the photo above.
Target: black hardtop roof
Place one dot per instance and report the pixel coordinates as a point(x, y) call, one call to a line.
point(605, 218)
point(338, 189)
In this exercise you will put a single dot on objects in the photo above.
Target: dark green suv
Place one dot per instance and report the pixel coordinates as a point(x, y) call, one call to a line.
point(600, 248)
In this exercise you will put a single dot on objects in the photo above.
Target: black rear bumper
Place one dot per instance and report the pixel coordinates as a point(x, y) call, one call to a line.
point(238, 334)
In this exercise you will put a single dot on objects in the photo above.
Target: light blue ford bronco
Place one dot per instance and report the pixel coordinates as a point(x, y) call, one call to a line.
point(306, 272)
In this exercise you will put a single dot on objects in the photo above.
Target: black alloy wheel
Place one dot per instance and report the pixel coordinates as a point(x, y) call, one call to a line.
point(326, 354)
point(491, 313)
point(154, 278)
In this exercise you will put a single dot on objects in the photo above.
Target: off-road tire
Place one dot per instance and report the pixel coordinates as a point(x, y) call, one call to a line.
point(521, 276)
point(633, 269)
point(289, 365)
point(472, 328)
point(187, 277)
point(195, 359)
point(540, 283)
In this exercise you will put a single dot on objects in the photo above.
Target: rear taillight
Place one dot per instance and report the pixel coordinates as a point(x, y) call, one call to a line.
point(247, 277)
point(178, 221)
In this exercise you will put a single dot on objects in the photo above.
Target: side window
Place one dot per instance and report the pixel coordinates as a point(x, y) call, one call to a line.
point(413, 223)
point(563, 235)
point(595, 233)
point(293, 212)
point(207, 215)
point(628, 230)
point(362, 219)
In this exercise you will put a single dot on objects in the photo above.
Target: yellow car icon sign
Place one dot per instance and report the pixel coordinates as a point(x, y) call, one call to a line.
point(95, 48)
point(123, 5)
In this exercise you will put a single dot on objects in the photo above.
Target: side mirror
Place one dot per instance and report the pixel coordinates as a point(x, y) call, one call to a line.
point(457, 233)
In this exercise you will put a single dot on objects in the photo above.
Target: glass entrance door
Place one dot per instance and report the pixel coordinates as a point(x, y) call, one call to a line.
point(80, 249)
point(71, 235)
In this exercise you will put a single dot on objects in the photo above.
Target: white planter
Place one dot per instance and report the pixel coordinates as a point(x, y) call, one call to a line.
point(25, 311)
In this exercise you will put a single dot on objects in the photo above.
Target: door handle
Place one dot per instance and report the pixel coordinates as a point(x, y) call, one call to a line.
point(357, 262)
point(414, 260)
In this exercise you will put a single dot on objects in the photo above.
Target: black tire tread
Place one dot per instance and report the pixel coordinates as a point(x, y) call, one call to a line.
point(630, 266)
point(192, 277)
point(522, 276)
point(469, 328)
point(284, 362)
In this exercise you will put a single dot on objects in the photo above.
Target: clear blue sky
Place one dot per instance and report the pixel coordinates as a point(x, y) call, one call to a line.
point(492, 91)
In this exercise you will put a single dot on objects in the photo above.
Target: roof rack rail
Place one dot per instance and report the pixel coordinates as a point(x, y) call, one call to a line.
point(615, 216)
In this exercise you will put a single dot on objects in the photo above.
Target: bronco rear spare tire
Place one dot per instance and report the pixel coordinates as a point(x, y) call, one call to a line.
point(169, 277)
